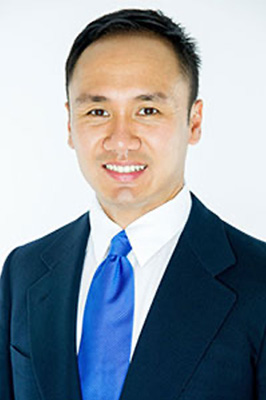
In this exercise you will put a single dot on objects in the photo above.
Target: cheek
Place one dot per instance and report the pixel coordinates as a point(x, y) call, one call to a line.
point(169, 141)
point(170, 155)
point(85, 141)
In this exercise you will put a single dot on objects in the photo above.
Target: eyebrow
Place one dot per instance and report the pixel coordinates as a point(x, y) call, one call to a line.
point(152, 96)
point(86, 97)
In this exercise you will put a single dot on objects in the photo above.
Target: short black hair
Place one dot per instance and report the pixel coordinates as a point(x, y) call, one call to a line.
point(140, 21)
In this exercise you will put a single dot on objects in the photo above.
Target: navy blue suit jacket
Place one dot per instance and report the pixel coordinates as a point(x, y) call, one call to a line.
point(203, 339)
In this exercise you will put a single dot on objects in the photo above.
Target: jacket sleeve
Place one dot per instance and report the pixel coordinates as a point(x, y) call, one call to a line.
point(6, 386)
point(261, 372)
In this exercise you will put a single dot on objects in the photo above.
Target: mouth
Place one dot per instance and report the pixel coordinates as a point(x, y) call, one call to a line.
point(125, 172)
point(125, 169)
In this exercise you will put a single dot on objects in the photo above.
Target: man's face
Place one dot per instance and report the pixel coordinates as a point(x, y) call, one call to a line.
point(129, 122)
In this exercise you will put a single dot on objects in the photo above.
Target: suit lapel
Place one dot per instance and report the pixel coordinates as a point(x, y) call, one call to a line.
point(189, 308)
point(52, 309)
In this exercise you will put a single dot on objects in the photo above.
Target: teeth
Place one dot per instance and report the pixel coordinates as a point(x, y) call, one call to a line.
point(125, 169)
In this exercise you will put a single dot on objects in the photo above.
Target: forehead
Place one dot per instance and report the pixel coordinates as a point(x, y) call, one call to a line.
point(127, 61)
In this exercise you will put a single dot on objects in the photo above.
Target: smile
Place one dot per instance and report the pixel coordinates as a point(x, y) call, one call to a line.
point(125, 169)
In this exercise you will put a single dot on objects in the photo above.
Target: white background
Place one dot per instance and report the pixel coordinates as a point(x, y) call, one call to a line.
point(41, 185)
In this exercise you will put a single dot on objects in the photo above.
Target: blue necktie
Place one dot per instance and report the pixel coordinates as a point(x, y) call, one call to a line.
point(104, 353)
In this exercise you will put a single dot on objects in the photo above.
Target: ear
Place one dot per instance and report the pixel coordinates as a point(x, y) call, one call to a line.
point(195, 122)
point(70, 139)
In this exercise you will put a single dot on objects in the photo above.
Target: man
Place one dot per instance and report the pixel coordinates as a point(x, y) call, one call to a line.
point(175, 307)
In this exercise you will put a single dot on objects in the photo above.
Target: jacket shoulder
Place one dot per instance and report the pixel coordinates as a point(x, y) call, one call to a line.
point(24, 259)
point(246, 246)
point(46, 240)
point(247, 276)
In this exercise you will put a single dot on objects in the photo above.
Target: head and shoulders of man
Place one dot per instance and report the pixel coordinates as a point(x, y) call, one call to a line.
point(132, 80)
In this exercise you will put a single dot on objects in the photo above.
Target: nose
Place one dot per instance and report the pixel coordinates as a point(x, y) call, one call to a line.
point(121, 138)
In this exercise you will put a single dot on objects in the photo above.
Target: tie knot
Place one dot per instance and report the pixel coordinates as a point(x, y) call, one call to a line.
point(120, 245)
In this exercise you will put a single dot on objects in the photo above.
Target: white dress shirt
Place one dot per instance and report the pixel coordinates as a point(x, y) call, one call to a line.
point(153, 238)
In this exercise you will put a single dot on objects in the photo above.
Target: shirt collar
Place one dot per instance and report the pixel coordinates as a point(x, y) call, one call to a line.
point(148, 234)
point(103, 229)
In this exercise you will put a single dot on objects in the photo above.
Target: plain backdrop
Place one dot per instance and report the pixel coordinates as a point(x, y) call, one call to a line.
point(41, 185)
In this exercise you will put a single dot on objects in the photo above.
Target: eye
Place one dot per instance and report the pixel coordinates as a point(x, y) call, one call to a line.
point(98, 112)
point(148, 111)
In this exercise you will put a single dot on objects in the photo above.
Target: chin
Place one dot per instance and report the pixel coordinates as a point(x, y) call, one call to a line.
point(123, 198)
